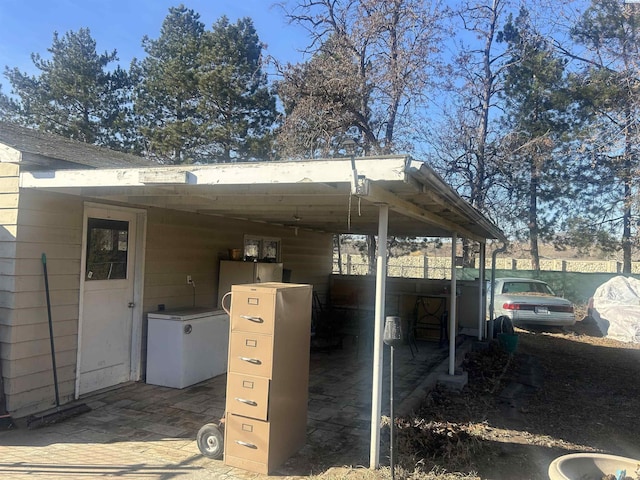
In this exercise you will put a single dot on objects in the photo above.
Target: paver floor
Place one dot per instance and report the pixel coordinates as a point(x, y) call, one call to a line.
point(148, 432)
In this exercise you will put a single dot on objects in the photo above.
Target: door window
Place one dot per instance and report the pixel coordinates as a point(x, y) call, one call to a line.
point(107, 246)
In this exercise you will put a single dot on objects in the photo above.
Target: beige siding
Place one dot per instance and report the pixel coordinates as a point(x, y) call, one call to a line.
point(50, 224)
point(8, 224)
point(181, 244)
point(177, 244)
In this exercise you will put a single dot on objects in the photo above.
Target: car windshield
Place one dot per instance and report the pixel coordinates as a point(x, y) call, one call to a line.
point(527, 287)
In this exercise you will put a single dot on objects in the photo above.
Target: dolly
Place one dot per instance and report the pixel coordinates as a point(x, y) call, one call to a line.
point(210, 437)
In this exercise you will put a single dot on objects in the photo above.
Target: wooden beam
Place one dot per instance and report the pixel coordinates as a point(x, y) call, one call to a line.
point(377, 194)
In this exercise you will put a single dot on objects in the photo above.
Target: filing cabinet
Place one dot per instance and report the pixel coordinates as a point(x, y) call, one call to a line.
point(268, 374)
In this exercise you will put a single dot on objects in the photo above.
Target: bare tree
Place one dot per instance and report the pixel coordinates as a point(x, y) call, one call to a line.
point(478, 69)
point(372, 64)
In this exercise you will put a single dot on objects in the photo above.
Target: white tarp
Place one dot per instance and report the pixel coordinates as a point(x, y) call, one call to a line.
point(616, 309)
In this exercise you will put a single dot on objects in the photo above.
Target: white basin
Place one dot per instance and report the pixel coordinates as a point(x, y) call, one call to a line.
point(591, 466)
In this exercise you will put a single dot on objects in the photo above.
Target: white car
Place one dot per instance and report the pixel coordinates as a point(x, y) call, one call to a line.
point(530, 302)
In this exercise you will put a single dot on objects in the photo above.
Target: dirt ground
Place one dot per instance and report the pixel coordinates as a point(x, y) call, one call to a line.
point(562, 391)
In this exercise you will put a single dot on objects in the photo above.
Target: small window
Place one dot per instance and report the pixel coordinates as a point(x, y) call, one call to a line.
point(261, 249)
point(107, 249)
point(252, 248)
point(516, 287)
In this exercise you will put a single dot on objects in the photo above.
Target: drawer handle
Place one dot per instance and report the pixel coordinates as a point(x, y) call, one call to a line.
point(248, 402)
point(252, 319)
point(247, 444)
point(255, 361)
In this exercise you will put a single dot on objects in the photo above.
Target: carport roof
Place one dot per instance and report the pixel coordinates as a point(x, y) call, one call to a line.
point(338, 195)
point(356, 195)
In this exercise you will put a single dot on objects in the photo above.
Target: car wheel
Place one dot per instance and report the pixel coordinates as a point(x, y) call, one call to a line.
point(210, 441)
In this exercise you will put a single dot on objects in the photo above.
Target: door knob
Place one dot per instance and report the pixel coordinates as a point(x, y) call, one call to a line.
point(131, 305)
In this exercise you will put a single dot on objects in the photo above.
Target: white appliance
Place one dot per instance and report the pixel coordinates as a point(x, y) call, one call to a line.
point(240, 273)
point(186, 346)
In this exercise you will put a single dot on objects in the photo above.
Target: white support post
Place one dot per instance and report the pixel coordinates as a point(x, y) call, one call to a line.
point(482, 306)
point(381, 277)
point(452, 306)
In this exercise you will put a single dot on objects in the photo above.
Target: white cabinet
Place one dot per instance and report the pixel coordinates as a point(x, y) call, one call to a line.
point(186, 346)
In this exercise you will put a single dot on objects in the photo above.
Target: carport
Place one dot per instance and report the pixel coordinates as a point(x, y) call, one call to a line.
point(383, 196)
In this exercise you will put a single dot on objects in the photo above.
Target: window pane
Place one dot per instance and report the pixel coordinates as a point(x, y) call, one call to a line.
point(270, 250)
point(107, 246)
point(252, 249)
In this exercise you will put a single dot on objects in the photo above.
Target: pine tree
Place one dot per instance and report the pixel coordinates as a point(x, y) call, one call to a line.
point(608, 88)
point(201, 95)
point(166, 96)
point(8, 108)
point(238, 108)
point(75, 95)
point(537, 116)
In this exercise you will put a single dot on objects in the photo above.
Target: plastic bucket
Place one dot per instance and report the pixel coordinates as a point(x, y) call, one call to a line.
point(508, 342)
point(575, 466)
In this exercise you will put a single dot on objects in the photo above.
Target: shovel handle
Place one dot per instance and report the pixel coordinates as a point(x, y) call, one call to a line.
point(53, 348)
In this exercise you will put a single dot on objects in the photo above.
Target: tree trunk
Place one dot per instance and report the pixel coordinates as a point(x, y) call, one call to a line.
point(371, 253)
point(396, 91)
point(478, 199)
point(336, 243)
point(533, 215)
point(628, 196)
point(626, 229)
point(468, 253)
point(478, 190)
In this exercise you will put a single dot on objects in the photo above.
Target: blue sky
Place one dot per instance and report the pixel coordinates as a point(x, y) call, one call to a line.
point(27, 26)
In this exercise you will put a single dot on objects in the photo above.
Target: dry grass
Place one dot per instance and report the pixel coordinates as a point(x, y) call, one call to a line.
point(588, 400)
point(352, 473)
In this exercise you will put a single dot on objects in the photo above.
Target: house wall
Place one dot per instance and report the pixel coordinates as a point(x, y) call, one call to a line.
point(49, 224)
point(180, 244)
point(8, 225)
point(177, 244)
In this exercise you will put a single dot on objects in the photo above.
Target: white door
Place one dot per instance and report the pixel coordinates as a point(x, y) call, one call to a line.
point(106, 323)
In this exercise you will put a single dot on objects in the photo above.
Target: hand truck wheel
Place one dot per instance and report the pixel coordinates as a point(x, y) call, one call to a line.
point(210, 441)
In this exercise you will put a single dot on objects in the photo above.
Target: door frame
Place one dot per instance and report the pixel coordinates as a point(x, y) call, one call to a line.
point(139, 243)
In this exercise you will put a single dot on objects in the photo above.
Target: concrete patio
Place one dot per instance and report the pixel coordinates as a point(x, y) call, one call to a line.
point(146, 431)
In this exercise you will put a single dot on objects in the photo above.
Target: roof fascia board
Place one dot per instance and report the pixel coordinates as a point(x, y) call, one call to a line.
point(318, 171)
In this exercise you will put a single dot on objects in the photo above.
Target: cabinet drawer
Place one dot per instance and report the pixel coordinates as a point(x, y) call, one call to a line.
point(251, 354)
point(252, 311)
point(248, 395)
point(247, 438)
